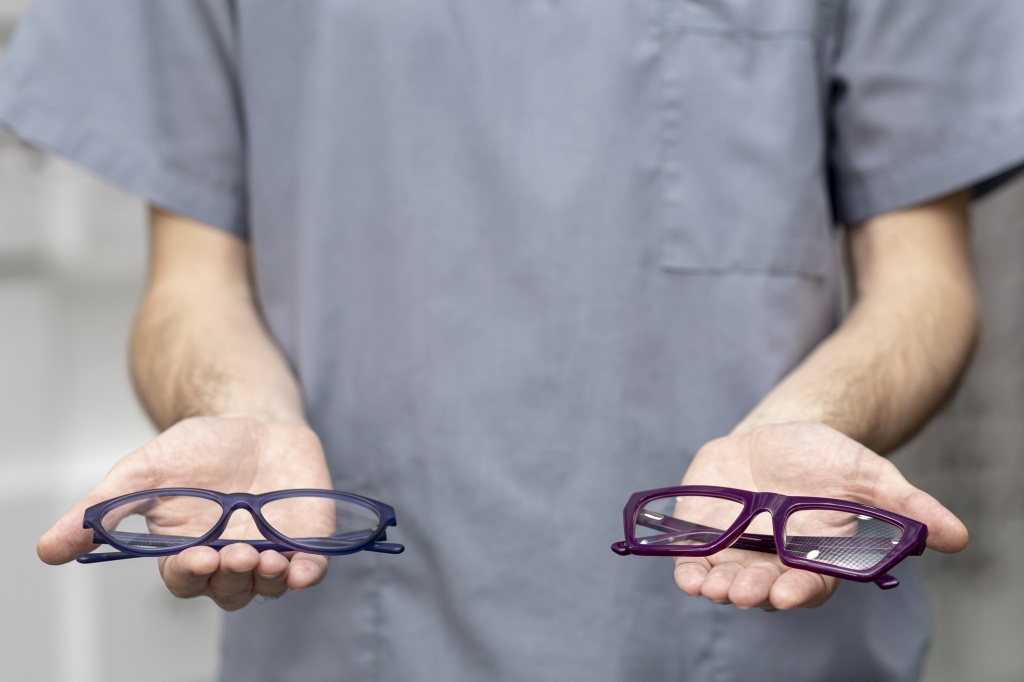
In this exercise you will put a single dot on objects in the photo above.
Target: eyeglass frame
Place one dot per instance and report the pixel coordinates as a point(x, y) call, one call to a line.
point(912, 542)
point(369, 540)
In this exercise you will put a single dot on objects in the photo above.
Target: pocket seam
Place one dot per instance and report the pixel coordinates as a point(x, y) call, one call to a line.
point(804, 261)
point(742, 33)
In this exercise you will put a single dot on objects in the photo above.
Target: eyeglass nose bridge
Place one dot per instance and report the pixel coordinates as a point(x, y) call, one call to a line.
point(766, 502)
point(762, 502)
point(248, 503)
point(232, 505)
point(233, 501)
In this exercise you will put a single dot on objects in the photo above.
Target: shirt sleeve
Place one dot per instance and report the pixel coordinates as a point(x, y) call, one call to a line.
point(144, 93)
point(927, 98)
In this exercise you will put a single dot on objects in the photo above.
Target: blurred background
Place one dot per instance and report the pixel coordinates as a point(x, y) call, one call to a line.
point(72, 267)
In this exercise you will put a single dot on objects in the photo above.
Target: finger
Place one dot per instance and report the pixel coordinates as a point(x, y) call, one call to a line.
point(66, 539)
point(795, 588)
point(753, 584)
point(270, 574)
point(690, 574)
point(719, 580)
point(231, 586)
point(306, 570)
point(188, 574)
point(946, 533)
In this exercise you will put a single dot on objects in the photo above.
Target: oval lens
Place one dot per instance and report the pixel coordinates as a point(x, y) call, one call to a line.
point(161, 522)
point(691, 520)
point(840, 539)
point(322, 523)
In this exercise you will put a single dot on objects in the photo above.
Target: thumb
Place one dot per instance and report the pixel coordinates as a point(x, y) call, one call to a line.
point(886, 488)
point(67, 539)
point(946, 533)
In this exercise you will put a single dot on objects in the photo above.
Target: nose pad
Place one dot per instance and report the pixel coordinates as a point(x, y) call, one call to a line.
point(760, 523)
point(241, 526)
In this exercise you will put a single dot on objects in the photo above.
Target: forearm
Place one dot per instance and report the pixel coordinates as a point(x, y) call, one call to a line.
point(199, 346)
point(229, 409)
point(904, 345)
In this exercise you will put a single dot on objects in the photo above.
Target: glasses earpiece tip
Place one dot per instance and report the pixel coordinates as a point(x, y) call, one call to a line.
point(887, 582)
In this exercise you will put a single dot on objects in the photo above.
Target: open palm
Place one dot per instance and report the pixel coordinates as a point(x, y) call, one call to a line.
point(223, 454)
point(808, 459)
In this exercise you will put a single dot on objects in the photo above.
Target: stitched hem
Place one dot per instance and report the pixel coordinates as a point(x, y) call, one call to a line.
point(984, 161)
point(146, 176)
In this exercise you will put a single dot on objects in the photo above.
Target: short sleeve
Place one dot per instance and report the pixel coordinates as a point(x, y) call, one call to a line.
point(145, 93)
point(927, 98)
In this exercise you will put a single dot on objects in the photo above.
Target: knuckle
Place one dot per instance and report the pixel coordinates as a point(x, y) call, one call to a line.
point(270, 587)
point(231, 602)
point(182, 591)
point(272, 593)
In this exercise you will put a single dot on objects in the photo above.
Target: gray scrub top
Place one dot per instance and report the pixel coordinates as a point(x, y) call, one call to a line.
point(526, 256)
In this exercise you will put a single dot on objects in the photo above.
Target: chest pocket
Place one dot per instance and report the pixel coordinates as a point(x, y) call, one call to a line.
point(743, 134)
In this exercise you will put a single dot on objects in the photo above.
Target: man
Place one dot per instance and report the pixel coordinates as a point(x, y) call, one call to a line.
point(500, 265)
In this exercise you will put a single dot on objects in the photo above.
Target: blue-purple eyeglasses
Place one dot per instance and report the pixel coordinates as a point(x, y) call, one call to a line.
point(168, 520)
point(823, 535)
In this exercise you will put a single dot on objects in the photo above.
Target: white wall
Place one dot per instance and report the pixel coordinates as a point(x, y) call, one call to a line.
point(72, 261)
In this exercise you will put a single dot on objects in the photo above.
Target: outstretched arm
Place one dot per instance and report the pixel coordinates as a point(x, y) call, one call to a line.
point(867, 388)
point(907, 340)
point(199, 346)
point(209, 373)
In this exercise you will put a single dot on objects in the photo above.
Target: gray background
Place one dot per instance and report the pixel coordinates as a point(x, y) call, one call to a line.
point(72, 265)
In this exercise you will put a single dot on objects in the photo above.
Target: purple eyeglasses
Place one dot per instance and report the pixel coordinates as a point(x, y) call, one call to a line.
point(168, 520)
point(819, 534)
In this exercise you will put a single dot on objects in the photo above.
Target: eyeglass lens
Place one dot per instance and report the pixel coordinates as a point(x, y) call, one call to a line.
point(169, 522)
point(841, 539)
point(688, 520)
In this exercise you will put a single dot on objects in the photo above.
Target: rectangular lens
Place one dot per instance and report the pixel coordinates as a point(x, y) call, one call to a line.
point(322, 523)
point(840, 539)
point(161, 522)
point(690, 520)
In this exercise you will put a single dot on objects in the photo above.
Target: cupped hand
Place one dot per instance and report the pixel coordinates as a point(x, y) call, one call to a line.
point(228, 454)
point(809, 459)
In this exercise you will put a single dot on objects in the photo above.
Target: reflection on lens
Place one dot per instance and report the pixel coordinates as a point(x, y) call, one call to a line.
point(840, 539)
point(691, 520)
point(322, 523)
point(161, 522)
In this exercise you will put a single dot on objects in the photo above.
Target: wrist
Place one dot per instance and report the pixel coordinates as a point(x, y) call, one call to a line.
point(245, 427)
point(817, 402)
point(208, 391)
point(765, 417)
point(265, 417)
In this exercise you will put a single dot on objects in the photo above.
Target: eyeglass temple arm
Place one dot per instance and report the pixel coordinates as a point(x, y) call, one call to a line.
point(157, 541)
point(680, 530)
